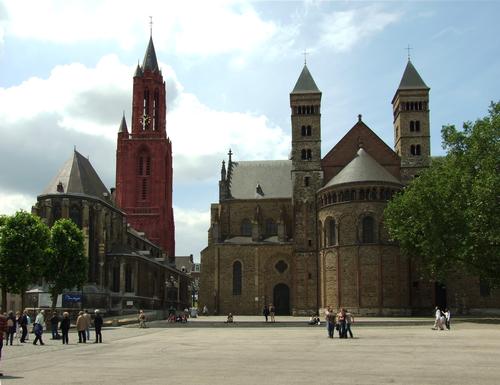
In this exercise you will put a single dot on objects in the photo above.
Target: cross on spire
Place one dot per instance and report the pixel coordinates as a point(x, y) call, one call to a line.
point(408, 49)
point(305, 53)
point(151, 26)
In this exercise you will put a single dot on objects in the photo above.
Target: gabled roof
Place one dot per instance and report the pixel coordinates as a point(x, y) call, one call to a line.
point(77, 176)
point(262, 179)
point(411, 79)
point(363, 168)
point(150, 63)
point(305, 83)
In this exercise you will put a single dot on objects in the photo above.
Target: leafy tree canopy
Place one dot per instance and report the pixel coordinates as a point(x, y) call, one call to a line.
point(450, 215)
point(66, 265)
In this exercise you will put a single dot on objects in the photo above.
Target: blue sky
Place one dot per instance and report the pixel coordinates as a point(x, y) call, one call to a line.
point(66, 72)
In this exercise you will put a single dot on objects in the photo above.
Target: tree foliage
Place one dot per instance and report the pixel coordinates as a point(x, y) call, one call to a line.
point(66, 265)
point(450, 215)
point(24, 245)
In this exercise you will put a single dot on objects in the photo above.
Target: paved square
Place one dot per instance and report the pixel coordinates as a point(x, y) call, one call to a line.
point(268, 354)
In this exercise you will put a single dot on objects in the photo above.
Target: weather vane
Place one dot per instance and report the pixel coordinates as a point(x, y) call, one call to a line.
point(408, 49)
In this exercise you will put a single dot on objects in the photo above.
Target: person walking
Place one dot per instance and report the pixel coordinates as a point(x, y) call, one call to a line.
point(65, 324)
point(98, 321)
point(38, 327)
point(142, 319)
point(437, 321)
point(265, 312)
point(81, 326)
point(349, 319)
point(342, 324)
point(11, 327)
point(3, 330)
point(88, 320)
point(272, 311)
point(447, 315)
point(54, 323)
point(330, 321)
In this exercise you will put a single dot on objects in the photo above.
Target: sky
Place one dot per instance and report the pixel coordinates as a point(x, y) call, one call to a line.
point(66, 70)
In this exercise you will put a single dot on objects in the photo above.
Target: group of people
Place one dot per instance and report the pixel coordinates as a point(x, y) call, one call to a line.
point(269, 312)
point(340, 321)
point(442, 319)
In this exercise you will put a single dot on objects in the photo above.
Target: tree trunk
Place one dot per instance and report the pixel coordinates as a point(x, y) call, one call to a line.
point(4, 298)
point(53, 297)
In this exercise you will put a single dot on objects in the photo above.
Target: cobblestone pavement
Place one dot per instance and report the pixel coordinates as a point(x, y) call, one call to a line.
point(413, 354)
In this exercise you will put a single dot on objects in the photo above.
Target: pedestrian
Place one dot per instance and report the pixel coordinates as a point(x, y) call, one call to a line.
point(65, 324)
point(437, 321)
point(447, 315)
point(88, 320)
point(81, 326)
point(3, 329)
point(265, 311)
point(11, 327)
point(28, 324)
point(54, 322)
point(23, 324)
point(342, 324)
point(18, 325)
point(38, 327)
point(98, 326)
point(142, 319)
point(272, 311)
point(330, 321)
point(349, 319)
point(205, 310)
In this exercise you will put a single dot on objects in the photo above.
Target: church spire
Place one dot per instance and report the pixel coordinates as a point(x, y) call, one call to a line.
point(150, 63)
point(305, 82)
point(123, 125)
point(411, 78)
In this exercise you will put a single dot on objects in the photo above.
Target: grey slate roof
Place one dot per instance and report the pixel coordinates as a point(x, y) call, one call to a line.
point(363, 168)
point(78, 177)
point(411, 79)
point(138, 71)
point(123, 125)
point(261, 179)
point(305, 83)
point(150, 62)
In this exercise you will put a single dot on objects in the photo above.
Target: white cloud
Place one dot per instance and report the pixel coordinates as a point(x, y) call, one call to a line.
point(188, 27)
point(342, 30)
point(191, 230)
point(10, 203)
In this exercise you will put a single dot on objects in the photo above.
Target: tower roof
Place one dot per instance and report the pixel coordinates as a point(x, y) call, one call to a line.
point(411, 79)
point(123, 125)
point(363, 168)
point(77, 176)
point(138, 71)
point(305, 83)
point(150, 63)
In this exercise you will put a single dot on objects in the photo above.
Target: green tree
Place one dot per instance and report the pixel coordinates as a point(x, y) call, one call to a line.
point(450, 215)
point(66, 265)
point(24, 245)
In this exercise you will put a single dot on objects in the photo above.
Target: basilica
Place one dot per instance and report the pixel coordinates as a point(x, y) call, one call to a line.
point(308, 232)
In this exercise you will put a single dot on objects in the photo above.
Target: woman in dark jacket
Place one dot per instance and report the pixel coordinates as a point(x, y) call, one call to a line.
point(98, 326)
point(65, 323)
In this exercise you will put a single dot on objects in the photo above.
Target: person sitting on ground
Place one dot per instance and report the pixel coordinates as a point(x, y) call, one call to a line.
point(229, 318)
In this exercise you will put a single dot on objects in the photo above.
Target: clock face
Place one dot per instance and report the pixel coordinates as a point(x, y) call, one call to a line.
point(145, 120)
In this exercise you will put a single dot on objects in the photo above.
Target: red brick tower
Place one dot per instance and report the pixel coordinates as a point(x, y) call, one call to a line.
point(144, 158)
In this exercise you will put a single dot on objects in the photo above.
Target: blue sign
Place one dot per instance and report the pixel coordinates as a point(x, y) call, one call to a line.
point(72, 297)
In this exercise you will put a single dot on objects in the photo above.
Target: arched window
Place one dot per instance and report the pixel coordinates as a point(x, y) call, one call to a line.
point(237, 278)
point(412, 149)
point(75, 215)
point(308, 130)
point(332, 229)
point(128, 279)
point(420, 106)
point(309, 155)
point(367, 230)
point(303, 130)
point(303, 154)
point(412, 125)
point(144, 189)
point(417, 125)
point(417, 149)
point(246, 228)
point(144, 164)
point(271, 227)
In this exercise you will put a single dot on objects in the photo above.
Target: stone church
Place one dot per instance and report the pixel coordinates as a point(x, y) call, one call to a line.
point(128, 232)
point(308, 232)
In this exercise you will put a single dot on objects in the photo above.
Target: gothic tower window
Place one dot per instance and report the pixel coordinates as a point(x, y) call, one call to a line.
point(309, 154)
point(303, 154)
point(367, 230)
point(246, 228)
point(412, 126)
point(417, 125)
point(144, 189)
point(306, 181)
point(237, 278)
point(145, 111)
point(308, 131)
point(303, 130)
point(156, 110)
